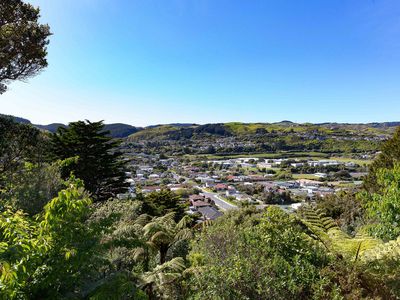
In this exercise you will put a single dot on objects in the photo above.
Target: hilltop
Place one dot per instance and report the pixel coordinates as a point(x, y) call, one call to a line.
point(188, 131)
point(117, 130)
point(192, 131)
point(255, 138)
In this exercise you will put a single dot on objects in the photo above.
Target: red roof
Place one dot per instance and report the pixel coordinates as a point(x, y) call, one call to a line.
point(200, 204)
point(196, 197)
point(220, 186)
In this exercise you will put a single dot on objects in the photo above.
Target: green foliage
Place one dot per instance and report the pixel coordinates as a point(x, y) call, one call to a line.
point(119, 236)
point(326, 231)
point(19, 143)
point(273, 255)
point(383, 207)
point(120, 286)
point(284, 175)
point(247, 255)
point(163, 202)
point(52, 255)
point(21, 250)
point(23, 42)
point(390, 154)
point(345, 208)
point(98, 163)
point(159, 282)
point(161, 233)
point(373, 264)
point(32, 187)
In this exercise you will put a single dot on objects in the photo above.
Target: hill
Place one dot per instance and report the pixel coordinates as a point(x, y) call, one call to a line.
point(117, 130)
point(174, 132)
point(245, 138)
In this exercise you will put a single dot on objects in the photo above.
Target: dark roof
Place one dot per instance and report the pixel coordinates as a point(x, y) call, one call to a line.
point(209, 212)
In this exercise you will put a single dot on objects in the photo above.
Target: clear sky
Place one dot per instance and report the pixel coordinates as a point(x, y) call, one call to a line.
point(206, 61)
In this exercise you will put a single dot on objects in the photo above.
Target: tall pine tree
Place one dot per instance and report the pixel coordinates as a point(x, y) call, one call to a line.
point(97, 159)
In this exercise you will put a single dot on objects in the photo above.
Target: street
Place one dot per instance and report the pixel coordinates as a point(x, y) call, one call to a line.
point(222, 204)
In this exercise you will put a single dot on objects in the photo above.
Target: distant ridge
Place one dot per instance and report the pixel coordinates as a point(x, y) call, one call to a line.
point(174, 125)
point(117, 130)
point(176, 131)
point(51, 127)
point(173, 132)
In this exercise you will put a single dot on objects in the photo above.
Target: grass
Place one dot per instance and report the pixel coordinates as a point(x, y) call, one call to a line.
point(236, 203)
point(152, 132)
point(304, 176)
point(360, 162)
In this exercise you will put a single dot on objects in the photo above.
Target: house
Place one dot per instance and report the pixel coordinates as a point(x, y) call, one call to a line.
point(130, 181)
point(193, 199)
point(209, 212)
point(231, 178)
point(308, 182)
point(256, 178)
point(221, 187)
point(210, 183)
point(320, 175)
point(175, 187)
point(197, 204)
point(231, 191)
point(324, 163)
point(154, 176)
point(264, 165)
point(297, 165)
point(350, 164)
point(145, 168)
point(288, 184)
point(149, 189)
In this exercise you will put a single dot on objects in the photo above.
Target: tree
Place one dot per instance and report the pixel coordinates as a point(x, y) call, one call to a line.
point(250, 255)
point(97, 160)
point(23, 42)
point(163, 232)
point(275, 255)
point(19, 143)
point(162, 236)
point(33, 187)
point(51, 255)
point(383, 208)
point(390, 154)
point(163, 202)
point(157, 282)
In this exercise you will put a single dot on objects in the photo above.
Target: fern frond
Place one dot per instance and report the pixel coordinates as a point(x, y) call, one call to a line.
point(325, 230)
point(389, 250)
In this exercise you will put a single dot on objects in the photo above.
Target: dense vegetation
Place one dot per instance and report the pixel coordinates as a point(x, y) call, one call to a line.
point(239, 138)
point(65, 235)
point(23, 42)
point(61, 240)
point(92, 156)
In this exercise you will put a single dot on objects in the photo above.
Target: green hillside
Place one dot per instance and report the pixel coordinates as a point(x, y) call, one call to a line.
point(165, 132)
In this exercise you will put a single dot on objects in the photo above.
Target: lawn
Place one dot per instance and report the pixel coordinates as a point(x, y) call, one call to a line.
point(354, 160)
point(304, 176)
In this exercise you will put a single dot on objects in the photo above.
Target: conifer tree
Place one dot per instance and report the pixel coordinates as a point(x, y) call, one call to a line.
point(94, 158)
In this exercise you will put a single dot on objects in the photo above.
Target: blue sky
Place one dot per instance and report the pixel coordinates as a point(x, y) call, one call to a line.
point(205, 61)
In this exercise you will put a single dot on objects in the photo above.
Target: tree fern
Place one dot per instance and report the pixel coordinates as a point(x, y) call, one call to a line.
point(325, 230)
point(389, 250)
